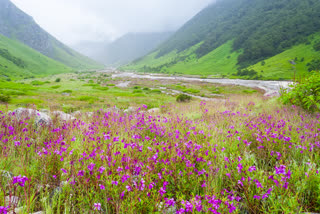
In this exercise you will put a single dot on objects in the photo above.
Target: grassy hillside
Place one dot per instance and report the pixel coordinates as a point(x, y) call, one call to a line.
point(281, 67)
point(223, 62)
point(19, 61)
point(234, 35)
point(17, 25)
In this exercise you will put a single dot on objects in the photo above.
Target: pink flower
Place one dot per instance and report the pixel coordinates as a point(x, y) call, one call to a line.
point(252, 168)
point(91, 166)
point(97, 206)
point(20, 180)
point(64, 171)
point(101, 169)
point(81, 173)
point(114, 183)
point(102, 187)
point(4, 210)
point(162, 191)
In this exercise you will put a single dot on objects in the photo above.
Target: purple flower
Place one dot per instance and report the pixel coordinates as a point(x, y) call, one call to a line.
point(4, 210)
point(81, 173)
point(19, 180)
point(97, 206)
point(252, 168)
point(102, 187)
point(91, 166)
point(114, 183)
point(257, 197)
point(101, 169)
point(162, 191)
point(129, 188)
point(64, 171)
point(170, 202)
point(280, 170)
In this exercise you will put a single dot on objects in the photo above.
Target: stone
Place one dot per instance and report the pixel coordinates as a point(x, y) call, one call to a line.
point(41, 118)
point(154, 110)
point(130, 110)
point(63, 116)
point(12, 200)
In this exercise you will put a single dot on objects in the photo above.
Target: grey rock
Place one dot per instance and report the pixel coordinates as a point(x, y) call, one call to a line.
point(76, 113)
point(12, 200)
point(6, 174)
point(154, 110)
point(63, 116)
point(41, 118)
point(130, 110)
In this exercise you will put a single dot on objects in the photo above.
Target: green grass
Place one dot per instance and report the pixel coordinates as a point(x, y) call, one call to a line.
point(222, 62)
point(36, 63)
point(279, 66)
point(73, 59)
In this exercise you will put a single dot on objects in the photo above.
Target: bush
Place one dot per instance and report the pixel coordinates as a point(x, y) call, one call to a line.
point(55, 86)
point(181, 98)
point(305, 94)
point(37, 83)
point(67, 91)
point(4, 98)
point(58, 80)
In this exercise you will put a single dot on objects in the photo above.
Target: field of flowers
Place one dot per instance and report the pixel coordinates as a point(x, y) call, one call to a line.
point(227, 159)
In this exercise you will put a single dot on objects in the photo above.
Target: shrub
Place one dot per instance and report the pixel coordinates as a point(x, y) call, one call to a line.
point(305, 94)
point(55, 86)
point(37, 82)
point(183, 98)
point(4, 98)
point(58, 80)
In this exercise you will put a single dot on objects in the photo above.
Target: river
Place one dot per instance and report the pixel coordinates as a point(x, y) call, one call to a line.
point(271, 88)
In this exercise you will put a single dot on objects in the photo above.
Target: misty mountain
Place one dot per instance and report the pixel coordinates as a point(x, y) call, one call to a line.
point(90, 49)
point(16, 24)
point(130, 47)
point(251, 30)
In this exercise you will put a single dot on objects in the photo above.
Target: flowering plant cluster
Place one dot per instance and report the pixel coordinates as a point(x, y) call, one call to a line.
point(223, 162)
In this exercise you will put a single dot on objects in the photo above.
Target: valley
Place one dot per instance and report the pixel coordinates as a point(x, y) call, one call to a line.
point(163, 107)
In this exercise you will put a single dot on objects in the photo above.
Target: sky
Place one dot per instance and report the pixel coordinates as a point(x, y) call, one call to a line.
point(73, 21)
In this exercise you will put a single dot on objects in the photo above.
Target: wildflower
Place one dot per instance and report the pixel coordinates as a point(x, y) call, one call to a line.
point(101, 169)
point(252, 168)
point(17, 143)
point(91, 166)
point(122, 194)
point(129, 188)
point(19, 180)
point(81, 173)
point(102, 187)
point(280, 170)
point(115, 183)
point(97, 206)
point(162, 191)
point(64, 171)
point(170, 202)
point(4, 210)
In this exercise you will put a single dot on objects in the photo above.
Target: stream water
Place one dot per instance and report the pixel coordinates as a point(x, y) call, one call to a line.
point(271, 88)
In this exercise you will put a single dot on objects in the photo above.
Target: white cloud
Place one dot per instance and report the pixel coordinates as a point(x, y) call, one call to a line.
point(77, 20)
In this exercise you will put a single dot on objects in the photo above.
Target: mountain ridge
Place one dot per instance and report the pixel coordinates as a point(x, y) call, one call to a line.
point(16, 24)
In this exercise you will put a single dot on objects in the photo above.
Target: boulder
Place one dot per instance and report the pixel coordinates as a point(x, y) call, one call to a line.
point(41, 118)
point(130, 110)
point(154, 110)
point(63, 116)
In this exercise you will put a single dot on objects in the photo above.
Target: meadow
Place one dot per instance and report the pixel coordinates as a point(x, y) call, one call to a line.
point(243, 154)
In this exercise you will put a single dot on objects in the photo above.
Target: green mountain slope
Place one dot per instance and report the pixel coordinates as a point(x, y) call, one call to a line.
point(16, 24)
point(20, 61)
point(236, 34)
